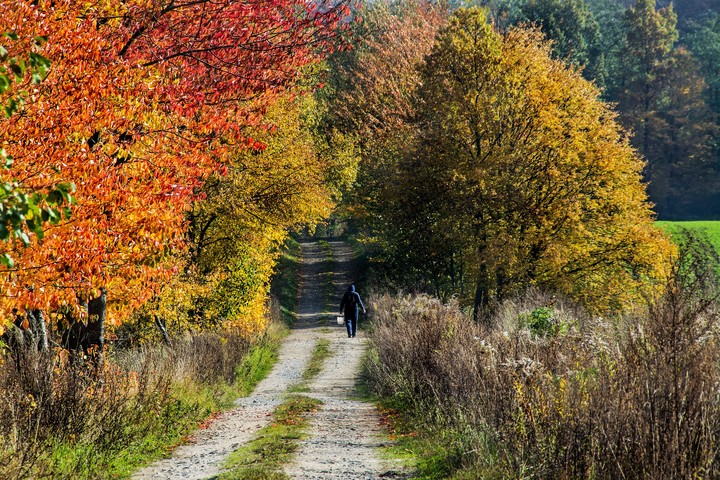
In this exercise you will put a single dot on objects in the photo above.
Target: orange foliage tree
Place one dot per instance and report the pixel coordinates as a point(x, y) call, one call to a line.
point(144, 100)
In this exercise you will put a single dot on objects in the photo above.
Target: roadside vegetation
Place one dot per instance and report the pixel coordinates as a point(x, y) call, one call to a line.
point(143, 215)
point(68, 417)
point(554, 329)
point(547, 390)
point(62, 419)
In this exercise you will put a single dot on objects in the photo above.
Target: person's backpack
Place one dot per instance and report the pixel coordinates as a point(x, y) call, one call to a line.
point(352, 301)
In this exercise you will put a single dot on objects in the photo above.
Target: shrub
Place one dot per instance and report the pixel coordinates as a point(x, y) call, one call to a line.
point(582, 397)
point(542, 322)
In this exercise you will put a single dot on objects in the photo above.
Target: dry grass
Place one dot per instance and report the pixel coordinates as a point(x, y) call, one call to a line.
point(69, 419)
point(577, 397)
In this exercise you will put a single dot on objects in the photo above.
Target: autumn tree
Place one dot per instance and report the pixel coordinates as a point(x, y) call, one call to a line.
point(23, 212)
point(528, 173)
point(373, 99)
point(237, 228)
point(143, 102)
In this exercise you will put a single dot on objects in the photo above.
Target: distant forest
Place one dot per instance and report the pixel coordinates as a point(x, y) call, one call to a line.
point(659, 63)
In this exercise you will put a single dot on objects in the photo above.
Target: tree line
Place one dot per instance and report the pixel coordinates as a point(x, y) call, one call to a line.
point(488, 163)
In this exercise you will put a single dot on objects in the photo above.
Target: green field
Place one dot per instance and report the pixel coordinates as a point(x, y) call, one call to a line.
point(711, 228)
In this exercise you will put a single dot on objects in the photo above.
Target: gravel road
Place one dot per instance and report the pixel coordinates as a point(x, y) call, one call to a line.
point(344, 434)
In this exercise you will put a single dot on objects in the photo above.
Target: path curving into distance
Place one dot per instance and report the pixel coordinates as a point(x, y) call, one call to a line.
point(344, 433)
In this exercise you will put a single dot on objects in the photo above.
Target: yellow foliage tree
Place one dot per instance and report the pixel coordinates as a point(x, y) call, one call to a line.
point(247, 212)
point(526, 173)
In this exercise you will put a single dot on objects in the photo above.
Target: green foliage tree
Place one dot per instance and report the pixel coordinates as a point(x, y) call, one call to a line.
point(690, 11)
point(573, 30)
point(703, 40)
point(650, 36)
point(527, 175)
point(609, 17)
point(660, 95)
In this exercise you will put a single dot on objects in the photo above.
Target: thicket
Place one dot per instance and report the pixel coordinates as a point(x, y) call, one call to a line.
point(64, 418)
point(549, 391)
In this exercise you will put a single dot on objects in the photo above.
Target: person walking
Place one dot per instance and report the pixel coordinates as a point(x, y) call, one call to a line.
point(350, 307)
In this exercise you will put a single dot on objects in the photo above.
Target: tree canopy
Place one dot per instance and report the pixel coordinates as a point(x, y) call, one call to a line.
point(518, 174)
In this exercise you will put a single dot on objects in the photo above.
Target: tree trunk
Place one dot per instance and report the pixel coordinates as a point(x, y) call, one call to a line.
point(482, 293)
point(37, 325)
point(163, 331)
point(97, 311)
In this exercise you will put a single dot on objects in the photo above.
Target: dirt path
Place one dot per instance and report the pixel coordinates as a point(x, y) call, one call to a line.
point(344, 433)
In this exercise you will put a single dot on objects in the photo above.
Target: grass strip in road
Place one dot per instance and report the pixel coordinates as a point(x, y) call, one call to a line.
point(327, 286)
point(264, 457)
point(321, 352)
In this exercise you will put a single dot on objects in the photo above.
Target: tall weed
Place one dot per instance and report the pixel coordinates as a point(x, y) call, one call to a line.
point(65, 418)
point(631, 397)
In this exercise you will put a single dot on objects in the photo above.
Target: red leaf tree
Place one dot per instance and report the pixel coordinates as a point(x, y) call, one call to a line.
point(143, 101)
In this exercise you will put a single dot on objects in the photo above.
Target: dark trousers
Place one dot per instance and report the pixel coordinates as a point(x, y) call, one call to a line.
point(351, 323)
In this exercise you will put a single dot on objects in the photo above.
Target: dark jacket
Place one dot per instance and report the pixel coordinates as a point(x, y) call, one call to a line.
point(350, 303)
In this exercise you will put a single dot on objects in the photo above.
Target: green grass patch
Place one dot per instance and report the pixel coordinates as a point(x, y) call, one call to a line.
point(150, 438)
point(711, 229)
point(257, 364)
point(264, 457)
point(321, 352)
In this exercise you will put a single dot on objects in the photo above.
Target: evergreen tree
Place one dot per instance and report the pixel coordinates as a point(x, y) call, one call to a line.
point(703, 40)
point(572, 28)
point(660, 96)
